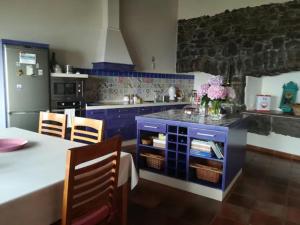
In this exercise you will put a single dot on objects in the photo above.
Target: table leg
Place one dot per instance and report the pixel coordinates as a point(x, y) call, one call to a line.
point(124, 206)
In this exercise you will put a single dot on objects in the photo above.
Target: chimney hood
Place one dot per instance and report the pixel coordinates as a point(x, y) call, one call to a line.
point(115, 55)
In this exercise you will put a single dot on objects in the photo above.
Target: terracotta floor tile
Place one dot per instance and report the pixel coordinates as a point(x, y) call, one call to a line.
point(240, 200)
point(264, 195)
point(259, 218)
point(271, 209)
point(235, 212)
point(294, 201)
point(225, 221)
point(245, 189)
point(293, 215)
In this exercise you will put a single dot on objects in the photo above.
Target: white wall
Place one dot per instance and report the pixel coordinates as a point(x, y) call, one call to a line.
point(272, 86)
point(195, 8)
point(269, 85)
point(71, 27)
point(150, 29)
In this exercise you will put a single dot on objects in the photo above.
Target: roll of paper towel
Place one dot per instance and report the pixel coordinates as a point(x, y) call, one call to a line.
point(70, 114)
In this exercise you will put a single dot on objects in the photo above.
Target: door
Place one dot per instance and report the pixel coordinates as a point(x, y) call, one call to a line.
point(25, 120)
point(27, 84)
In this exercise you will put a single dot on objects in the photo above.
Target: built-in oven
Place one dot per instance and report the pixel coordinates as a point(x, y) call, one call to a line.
point(60, 106)
point(67, 92)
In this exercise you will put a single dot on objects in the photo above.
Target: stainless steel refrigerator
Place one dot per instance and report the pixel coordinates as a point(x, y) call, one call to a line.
point(24, 83)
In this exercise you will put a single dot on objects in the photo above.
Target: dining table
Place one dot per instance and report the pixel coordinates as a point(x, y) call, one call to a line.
point(31, 179)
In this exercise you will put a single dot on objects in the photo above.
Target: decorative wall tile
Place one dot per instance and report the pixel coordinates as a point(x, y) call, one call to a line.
point(113, 88)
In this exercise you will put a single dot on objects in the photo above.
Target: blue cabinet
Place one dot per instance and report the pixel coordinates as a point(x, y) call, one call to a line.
point(122, 120)
point(179, 158)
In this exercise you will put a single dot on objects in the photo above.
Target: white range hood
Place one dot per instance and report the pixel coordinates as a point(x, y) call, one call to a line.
point(115, 49)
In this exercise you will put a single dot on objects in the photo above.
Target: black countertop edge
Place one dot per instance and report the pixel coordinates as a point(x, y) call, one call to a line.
point(272, 113)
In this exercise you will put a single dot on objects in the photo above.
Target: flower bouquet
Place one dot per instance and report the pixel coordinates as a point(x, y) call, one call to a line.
point(214, 94)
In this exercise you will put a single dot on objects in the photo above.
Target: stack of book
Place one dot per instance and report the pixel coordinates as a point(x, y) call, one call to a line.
point(159, 143)
point(206, 149)
point(200, 148)
point(217, 150)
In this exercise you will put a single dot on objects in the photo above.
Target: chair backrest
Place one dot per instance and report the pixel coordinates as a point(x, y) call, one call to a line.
point(90, 182)
point(52, 124)
point(86, 130)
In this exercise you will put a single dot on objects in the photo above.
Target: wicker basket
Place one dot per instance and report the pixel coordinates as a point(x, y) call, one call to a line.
point(147, 141)
point(296, 109)
point(154, 161)
point(208, 173)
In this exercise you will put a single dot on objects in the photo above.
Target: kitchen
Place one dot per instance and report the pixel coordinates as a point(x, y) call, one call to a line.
point(133, 59)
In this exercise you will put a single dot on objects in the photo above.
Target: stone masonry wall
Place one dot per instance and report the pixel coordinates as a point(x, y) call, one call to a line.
point(252, 41)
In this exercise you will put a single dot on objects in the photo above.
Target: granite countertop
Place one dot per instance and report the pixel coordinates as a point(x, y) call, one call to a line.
point(116, 105)
point(179, 115)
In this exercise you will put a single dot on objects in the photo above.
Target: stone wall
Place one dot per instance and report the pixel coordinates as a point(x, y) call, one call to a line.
point(252, 41)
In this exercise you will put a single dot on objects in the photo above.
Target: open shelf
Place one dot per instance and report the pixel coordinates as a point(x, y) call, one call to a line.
point(151, 146)
point(208, 158)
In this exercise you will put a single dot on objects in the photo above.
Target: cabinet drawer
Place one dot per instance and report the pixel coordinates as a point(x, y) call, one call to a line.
point(145, 110)
point(157, 109)
point(204, 134)
point(127, 133)
point(95, 114)
point(122, 111)
point(122, 122)
point(155, 127)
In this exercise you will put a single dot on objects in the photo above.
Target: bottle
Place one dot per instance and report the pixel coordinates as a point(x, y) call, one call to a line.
point(53, 63)
point(135, 98)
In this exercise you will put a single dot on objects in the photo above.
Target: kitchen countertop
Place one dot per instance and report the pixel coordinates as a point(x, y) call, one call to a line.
point(116, 105)
point(273, 113)
point(179, 115)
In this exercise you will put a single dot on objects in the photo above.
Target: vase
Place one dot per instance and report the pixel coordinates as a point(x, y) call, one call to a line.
point(215, 112)
point(203, 110)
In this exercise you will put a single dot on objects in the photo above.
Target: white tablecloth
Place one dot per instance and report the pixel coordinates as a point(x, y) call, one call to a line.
point(31, 179)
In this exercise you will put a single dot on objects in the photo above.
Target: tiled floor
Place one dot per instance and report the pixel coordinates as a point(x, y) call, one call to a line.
point(268, 193)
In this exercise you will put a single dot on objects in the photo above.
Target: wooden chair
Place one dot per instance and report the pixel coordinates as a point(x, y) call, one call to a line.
point(52, 124)
point(90, 185)
point(86, 130)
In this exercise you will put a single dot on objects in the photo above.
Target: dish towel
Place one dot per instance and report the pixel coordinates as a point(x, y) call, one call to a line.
point(70, 114)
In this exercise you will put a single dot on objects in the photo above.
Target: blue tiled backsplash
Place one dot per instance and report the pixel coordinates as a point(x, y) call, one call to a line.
point(112, 86)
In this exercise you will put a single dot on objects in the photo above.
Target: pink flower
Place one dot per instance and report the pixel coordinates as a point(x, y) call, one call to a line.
point(215, 92)
point(203, 90)
point(216, 80)
point(231, 93)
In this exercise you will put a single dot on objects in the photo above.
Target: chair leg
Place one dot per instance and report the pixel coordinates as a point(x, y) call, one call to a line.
point(124, 209)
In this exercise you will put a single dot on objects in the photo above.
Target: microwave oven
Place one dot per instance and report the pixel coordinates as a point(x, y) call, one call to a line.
point(67, 89)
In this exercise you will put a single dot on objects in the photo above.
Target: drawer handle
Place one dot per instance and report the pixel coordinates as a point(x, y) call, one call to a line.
point(153, 127)
point(207, 135)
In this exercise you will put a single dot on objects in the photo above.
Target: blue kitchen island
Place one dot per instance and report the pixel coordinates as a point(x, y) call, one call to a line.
point(165, 151)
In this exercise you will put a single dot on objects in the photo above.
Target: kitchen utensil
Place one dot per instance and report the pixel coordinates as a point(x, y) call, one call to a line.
point(57, 68)
point(69, 69)
point(126, 99)
point(172, 93)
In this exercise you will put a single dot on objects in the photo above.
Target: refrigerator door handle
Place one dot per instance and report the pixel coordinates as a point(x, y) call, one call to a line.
point(25, 112)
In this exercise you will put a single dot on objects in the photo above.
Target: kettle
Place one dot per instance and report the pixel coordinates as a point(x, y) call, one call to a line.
point(172, 93)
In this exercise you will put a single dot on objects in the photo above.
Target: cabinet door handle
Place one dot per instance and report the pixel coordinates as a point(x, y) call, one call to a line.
point(207, 135)
point(153, 127)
